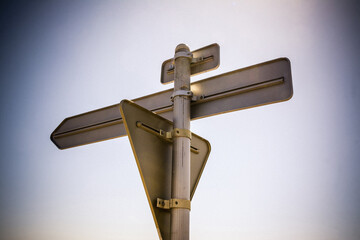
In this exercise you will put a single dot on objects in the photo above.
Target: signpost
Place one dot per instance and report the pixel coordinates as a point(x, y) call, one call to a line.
point(170, 158)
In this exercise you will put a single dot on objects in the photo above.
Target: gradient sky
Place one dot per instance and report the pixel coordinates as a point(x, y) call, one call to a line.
point(282, 171)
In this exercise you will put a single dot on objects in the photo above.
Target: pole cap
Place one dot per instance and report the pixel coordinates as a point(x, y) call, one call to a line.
point(182, 48)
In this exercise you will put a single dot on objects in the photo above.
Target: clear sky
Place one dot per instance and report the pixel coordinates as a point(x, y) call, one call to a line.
point(283, 171)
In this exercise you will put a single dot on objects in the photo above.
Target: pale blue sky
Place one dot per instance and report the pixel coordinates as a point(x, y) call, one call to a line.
point(283, 171)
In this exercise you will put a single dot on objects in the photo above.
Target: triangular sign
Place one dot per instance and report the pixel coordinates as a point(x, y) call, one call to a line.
point(153, 154)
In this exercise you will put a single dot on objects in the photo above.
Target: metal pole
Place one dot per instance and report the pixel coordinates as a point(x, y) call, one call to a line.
point(180, 217)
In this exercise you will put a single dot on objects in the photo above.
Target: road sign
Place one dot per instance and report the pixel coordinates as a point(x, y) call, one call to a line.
point(257, 85)
point(203, 60)
point(150, 138)
point(169, 157)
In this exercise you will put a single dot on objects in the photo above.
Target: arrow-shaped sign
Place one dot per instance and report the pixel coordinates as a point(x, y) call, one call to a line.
point(257, 85)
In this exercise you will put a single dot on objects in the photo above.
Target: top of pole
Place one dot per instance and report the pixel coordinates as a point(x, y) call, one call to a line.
point(182, 48)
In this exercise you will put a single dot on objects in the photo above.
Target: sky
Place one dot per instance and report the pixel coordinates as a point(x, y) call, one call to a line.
point(288, 170)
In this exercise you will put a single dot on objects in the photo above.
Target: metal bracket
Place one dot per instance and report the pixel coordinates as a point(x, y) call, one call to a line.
point(186, 55)
point(177, 132)
point(168, 136)
point(173, 203)
point(183, 54)
point(196, 60)
point(197, 98)
point(186, 93)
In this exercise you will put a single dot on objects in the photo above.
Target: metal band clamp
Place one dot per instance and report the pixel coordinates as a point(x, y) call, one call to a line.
point(185, 93)
point(193, 62)
point(183, 54)
point(173, 203)
point(177, 132)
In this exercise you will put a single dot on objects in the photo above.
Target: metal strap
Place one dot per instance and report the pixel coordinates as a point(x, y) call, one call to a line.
point(178, 132)
point(196, 60)
point(173, 203)
point(183, 54)
point(186, 93)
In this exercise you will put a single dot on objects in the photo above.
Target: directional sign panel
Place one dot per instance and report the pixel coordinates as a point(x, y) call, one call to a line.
point(153, 154)
point(204, 59)
point(257, 85)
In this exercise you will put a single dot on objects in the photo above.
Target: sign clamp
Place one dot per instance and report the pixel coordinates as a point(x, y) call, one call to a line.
point(173, 203)
point(194, 62)
point(168, 136)
point(180, 132)
point(179, 93)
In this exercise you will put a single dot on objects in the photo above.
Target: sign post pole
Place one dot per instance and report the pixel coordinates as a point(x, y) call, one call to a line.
point(180, 217)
